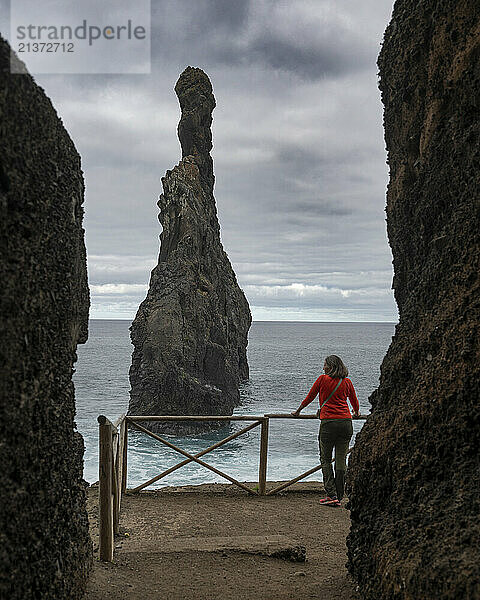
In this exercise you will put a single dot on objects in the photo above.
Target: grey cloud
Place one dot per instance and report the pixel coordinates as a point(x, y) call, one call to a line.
point(299, 155)
point(219, 14)
point(310, 63)
point(309, 207)
point(220, 32)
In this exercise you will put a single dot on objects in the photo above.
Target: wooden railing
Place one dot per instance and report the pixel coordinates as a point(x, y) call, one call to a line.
point(113, 441)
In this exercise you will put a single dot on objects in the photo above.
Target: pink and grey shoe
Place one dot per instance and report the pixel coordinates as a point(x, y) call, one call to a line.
point(330, 501)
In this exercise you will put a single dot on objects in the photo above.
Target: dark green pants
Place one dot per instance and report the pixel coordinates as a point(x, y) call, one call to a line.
point(334, 433)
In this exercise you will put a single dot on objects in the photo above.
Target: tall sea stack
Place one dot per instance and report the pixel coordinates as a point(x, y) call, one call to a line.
point(190, 332)
point(45, 548)
point(415, 470)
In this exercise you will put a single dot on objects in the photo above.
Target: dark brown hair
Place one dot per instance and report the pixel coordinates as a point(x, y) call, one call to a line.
point(335, 367)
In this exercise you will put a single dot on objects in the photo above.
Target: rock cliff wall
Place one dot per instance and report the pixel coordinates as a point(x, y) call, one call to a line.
point(415, 471)
point(45, 549)
point(190, 333)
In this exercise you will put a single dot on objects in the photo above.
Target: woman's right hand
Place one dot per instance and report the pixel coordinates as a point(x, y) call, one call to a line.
point(355, 413)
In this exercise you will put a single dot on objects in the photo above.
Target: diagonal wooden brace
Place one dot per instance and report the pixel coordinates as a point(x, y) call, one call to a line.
point(295, 479)
point(194, 458)
point(189, 460)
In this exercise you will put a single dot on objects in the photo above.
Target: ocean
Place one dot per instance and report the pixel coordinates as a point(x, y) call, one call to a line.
point(285, 358)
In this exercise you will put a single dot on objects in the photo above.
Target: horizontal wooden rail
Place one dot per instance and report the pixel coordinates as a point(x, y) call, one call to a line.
point(134, 418)
point(307, 416)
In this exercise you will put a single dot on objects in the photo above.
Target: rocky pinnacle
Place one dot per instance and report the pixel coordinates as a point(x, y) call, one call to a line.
point(197, 102)
point(190, 332)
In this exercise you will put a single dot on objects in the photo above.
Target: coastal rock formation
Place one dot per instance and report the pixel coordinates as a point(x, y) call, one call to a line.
point(415, 471)
point(45, 548)
point(190, 333)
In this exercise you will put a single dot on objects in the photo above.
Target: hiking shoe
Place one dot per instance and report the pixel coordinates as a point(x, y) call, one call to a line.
point(330, 501)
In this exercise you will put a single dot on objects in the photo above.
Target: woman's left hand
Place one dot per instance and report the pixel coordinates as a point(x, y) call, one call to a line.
point(296, 413)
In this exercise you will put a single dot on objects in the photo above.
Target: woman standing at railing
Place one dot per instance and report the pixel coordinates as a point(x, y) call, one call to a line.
point(336, 428)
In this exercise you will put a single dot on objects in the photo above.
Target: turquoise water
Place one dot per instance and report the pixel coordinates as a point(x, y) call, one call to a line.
point(285, 358)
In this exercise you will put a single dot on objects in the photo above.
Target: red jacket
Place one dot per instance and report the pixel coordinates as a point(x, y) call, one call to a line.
point(336, 407)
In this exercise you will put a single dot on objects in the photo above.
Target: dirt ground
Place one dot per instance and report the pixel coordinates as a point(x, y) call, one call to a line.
point(217, 542)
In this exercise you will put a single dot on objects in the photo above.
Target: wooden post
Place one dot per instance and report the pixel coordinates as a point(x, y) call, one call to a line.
point(121, 441)
point(262, 471)
point(116, 498)
point(116, 479)
point(105, 474)
point(124, 460)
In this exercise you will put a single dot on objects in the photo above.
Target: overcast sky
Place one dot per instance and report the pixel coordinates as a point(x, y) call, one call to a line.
point(299, 155)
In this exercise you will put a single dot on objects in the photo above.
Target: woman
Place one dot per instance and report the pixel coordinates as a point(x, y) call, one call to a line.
point(336, 428)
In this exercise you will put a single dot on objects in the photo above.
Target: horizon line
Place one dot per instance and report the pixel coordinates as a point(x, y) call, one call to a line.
point(265, 321)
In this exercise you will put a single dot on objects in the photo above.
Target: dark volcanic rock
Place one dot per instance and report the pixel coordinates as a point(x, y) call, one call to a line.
point(415, 471)
point(190, 333)
point(45, 549)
